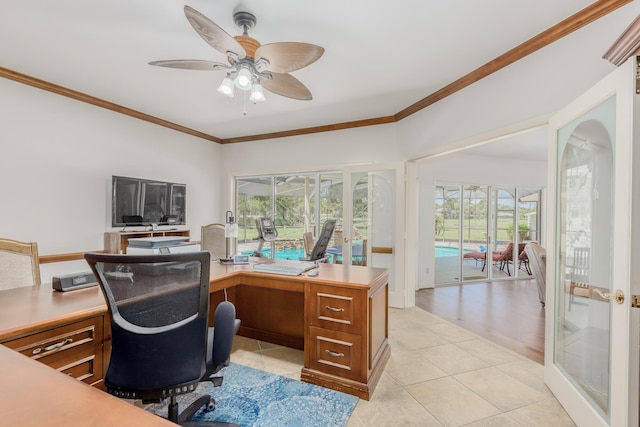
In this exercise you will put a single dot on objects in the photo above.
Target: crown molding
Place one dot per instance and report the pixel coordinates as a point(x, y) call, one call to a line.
point(594, 11)
point(627, 45)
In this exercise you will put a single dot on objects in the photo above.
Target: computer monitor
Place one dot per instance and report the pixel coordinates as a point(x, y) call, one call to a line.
point(132, 219)
point(320, 248)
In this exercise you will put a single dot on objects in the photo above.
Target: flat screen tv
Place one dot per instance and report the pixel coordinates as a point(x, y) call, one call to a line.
point(138, 201)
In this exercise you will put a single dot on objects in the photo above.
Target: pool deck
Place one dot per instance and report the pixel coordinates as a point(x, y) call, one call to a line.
point(446, 267)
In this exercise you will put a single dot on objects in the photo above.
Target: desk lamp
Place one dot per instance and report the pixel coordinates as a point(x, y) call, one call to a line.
point(231, 237)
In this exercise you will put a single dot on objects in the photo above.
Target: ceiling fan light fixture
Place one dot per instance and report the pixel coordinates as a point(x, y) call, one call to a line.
point(257, 94)
point(226, 87)
point(248, 61)
point(243, 79)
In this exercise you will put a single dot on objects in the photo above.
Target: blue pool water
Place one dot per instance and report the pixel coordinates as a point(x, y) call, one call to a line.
point(281, 253)
point(442, 251)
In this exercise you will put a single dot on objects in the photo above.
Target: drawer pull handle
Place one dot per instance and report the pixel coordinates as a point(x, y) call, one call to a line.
point(334, 354)
point(53, 346)
point(337, 310)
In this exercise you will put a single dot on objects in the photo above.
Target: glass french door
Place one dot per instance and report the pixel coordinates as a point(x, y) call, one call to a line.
point(591, 348)
point(373, 222)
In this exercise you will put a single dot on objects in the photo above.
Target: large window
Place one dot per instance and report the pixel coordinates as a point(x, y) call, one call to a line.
point(297, 203)
point(481, 231)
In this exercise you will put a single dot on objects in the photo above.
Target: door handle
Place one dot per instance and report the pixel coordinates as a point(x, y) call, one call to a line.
point(618, 296)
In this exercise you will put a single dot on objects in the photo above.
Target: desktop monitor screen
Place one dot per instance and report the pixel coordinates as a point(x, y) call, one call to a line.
point(137, 201)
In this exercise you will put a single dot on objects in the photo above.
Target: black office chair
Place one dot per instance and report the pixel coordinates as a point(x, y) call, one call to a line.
point(161, 345)
point(319, 251)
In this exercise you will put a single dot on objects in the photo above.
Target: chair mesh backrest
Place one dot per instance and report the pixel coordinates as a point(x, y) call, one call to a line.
point(159, 309)
point(320, 248)
point(151, 295)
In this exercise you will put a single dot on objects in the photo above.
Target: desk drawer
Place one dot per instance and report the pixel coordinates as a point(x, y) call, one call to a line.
point(336, 353)
point(75, 349)
point(335, 308)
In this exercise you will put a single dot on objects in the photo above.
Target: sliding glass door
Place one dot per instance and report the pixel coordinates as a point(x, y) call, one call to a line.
point(297, 203)
point(367, 203)
point(461, 233)
point(474, 232)
point(448, 234)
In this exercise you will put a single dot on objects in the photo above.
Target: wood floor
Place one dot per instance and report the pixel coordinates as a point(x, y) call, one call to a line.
point(505, 312)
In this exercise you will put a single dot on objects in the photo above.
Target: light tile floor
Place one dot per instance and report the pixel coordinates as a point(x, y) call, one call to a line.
point(438, 375)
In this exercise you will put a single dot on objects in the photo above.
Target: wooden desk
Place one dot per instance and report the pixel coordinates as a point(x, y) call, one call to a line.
point(339, 318)
point(35, 395)
point(65, 330)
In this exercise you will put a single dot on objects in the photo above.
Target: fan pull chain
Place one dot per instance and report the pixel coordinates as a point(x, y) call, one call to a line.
point(244, 104)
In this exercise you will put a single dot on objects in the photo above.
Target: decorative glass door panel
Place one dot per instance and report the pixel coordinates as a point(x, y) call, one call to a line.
point(592, 333)
point(585, 203)
point(372, 231)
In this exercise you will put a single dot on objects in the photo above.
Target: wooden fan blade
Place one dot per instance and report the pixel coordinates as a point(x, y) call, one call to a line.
point(288, 86)
point(289, 56)
point(191, 64)
point(212, 34)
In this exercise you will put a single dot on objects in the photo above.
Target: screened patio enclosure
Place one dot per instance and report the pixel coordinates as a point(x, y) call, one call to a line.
point(297, 203)
point(474, 231)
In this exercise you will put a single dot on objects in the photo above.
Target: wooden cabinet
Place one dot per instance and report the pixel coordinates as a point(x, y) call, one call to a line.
point(339, 318)
point(116, 242)
point(67, 331)
point(75, 349)
point(346, 345)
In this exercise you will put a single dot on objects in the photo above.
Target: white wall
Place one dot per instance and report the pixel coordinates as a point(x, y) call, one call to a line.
point(535, 86)
point(57, 157)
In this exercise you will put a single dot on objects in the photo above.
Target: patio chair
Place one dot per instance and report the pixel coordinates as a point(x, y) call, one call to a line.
point(523, 259)
point(503, 258)
point(480, 255)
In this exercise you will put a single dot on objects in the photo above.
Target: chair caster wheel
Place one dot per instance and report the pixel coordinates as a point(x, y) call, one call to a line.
point(211, 405)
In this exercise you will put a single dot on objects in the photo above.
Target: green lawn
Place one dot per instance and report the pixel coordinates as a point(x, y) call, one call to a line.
point(292, 232)
point(474, 230)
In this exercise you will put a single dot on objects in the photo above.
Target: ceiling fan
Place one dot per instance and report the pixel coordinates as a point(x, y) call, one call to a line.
point(251, 65)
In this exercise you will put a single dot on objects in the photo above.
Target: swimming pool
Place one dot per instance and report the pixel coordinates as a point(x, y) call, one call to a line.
point(280, 253)
point(442, 251)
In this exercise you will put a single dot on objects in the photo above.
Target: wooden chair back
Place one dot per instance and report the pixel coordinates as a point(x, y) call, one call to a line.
point(307, 240)
point(212, 239)
point(19, 264)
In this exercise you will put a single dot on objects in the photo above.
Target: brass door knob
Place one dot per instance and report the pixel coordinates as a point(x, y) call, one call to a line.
point(618, 296)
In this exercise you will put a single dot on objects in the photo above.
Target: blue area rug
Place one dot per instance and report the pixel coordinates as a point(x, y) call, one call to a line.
point(251, 397)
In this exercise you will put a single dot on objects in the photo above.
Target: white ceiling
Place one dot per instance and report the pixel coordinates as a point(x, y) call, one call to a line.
point(380, 56)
